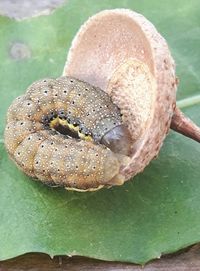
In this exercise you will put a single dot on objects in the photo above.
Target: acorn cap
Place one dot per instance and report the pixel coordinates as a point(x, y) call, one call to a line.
point(121, 52)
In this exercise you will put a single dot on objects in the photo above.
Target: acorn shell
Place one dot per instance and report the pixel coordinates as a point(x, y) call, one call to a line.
point(121, 52)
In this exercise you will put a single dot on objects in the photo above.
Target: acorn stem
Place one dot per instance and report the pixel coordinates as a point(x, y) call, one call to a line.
point(183, 125)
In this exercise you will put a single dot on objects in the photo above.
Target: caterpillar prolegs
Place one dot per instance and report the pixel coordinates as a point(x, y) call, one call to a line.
point(66, 132)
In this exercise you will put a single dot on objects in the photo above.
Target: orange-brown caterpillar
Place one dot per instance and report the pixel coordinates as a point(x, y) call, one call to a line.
point(67, 133)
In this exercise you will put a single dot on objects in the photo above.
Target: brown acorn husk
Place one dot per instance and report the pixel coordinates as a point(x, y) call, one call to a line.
point(121, 52)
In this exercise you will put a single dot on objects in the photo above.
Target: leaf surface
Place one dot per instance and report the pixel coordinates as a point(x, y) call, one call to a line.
point(156, 213)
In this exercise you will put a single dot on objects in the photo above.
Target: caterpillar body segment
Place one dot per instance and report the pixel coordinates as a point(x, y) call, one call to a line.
point(68, 133)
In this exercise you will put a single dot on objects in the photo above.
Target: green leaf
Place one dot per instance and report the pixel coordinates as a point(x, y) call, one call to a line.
point(156, 213)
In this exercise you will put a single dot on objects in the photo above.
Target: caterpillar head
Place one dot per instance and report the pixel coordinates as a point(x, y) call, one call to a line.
point(118, 140)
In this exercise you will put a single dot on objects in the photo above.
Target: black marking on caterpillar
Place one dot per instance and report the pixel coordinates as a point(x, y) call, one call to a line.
point(67, 133)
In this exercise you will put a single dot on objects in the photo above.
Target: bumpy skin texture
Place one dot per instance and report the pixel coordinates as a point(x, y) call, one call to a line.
point(61, 160)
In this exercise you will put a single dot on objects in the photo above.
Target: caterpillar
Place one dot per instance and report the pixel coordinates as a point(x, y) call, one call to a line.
point(66, 132)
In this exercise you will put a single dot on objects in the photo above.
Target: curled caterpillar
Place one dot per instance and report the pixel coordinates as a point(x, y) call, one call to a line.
point(68, 133)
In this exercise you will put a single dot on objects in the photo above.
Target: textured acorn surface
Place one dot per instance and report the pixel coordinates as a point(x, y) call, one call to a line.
point(107, 52)
point(156, 213)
